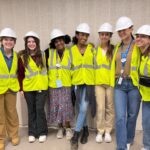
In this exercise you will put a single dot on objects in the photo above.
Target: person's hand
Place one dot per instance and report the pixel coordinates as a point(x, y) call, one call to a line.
point(22, 93)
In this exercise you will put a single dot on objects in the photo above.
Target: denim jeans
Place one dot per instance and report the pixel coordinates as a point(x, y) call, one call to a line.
point(146, 124)
point(127, 104)
point(82, 106)
point(37, 123)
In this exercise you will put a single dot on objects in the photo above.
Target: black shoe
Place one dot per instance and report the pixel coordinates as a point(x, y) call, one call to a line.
point(74, 141)
point(85, 134)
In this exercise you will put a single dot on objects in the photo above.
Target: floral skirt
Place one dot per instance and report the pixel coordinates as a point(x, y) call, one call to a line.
point(60, 109)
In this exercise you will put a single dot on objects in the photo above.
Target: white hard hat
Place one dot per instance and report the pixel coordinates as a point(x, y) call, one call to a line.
point(145, 29)
point(106, 27)
point(8, 32)
point(31, 33)
point(83, 27)
point(123, 23)
point(56, 33)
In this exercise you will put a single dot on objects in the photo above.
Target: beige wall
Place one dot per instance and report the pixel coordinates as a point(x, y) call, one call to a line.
point(44, 15)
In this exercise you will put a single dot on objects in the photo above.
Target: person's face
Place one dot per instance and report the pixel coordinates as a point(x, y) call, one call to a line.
point(31, 44)
point(142, 41)
point(82, 37)
point(8, 43)
point(104, 37)
point(59, 44)
point(125, 33)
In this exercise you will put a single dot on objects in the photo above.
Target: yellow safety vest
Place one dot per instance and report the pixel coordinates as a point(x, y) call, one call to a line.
point(8, 79)
point(59, 70)
point(36, 79)
point(145, 71)
point(135, 62)
point(83, 66)
point(103, 69)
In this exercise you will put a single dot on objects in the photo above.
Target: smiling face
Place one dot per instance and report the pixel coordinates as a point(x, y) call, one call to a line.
point(142, 41)
point(8, 43)
point(59, 43)
point(104, 37)
point(82, 38)
point(125, 33)
point(31, 44)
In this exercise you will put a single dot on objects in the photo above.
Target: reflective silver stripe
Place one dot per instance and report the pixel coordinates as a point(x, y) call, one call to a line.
point(7, 76)
point(83, 66)
point(29, 68)
point(146, 68)
point(63, 67)
point(52, 56)
point(31, 74)
point(103, 66)
point(133, 68)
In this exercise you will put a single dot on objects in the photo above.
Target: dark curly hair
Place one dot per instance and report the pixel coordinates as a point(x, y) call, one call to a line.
point(65, 38)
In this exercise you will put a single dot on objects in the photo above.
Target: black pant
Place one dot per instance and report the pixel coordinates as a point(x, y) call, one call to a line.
point(37, 122)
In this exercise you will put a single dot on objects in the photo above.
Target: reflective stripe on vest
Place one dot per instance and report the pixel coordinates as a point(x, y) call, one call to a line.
point(146, 68)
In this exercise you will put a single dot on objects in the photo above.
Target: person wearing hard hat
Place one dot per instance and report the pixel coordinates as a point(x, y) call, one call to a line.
point(143, 42)
point(33, 81)
point(126, 94)
point(9, 86)
point(103, 88)
point(83, 78)
point(60, 109)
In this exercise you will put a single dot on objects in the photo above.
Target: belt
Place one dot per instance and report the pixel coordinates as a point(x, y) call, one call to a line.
point(145, 81)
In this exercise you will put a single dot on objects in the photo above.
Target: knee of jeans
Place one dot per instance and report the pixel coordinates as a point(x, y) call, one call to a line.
point(83, 109)
point(120, 119)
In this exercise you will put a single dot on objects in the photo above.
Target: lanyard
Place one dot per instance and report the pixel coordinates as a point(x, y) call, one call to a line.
point(58, 65)
point(124, 54)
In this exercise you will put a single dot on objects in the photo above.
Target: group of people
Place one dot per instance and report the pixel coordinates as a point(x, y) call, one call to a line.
point(109, 79)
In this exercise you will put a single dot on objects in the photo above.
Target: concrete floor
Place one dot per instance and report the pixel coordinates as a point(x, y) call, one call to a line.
point(53, 143)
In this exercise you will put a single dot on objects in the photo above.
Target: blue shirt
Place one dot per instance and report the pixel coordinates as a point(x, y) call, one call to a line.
point(7, 60)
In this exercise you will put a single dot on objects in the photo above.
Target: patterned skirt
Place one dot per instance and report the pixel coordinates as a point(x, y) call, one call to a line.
point(60, 109)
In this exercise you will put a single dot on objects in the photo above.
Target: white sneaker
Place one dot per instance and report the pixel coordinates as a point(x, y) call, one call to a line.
point(60, 133)
point(31, 139)
point(143, 148)
point(128, 146)
point(99, 138)
point(107, 138)
point(68, 134)
point(42, 138)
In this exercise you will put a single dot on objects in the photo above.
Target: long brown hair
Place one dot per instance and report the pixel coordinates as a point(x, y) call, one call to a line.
point(38, 54)
point(109, 53)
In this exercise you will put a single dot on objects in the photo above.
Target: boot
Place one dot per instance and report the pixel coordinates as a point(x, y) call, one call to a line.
point(85, 134)
point(74, 141)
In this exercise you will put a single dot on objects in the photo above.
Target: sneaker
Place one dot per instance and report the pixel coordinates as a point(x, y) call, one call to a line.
point(15, 141)
point(60, 133)
point(144, 148)
point(128, 146)
point(99, 138)
point(42, 138)
point(107, 138)
point(68, 133)
point(31, 139)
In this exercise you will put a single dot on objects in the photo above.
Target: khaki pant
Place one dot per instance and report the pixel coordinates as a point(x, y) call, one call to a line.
point(9, 123)
point(105, 108)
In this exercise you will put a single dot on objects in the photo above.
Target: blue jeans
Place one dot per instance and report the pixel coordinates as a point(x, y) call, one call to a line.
point(83, 106)
point(146, 124)
point(127, 104)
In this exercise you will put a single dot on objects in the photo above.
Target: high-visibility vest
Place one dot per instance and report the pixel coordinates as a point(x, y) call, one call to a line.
point(102, 69)
point(8, 79)
point(59, 69)
point(36, 78)
point(83, 66)
point(145, 71)
point(134, 67)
